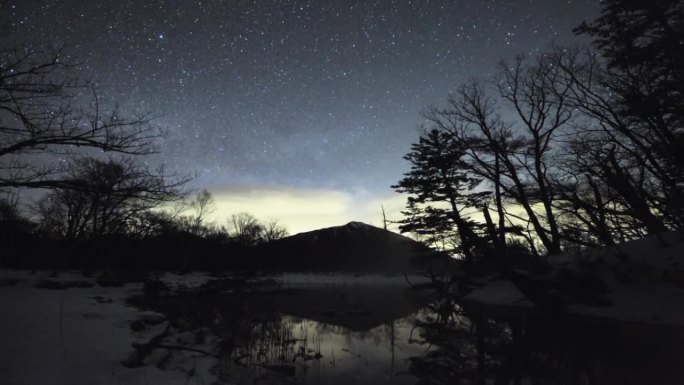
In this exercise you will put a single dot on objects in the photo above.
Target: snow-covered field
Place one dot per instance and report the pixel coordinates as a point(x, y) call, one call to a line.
point(79, 336)
point(82, 334)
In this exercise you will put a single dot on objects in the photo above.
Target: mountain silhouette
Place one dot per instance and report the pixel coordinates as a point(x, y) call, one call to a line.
point(354, 247)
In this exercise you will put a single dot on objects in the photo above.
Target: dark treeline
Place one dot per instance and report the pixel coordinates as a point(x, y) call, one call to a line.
point(576, 147)
point(102, 205)
point(72, 234)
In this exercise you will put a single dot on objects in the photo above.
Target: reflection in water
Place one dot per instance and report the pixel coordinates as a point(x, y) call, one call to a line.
point(371, 334)
point(313, 334)
point(295, 350)
point(475, 345)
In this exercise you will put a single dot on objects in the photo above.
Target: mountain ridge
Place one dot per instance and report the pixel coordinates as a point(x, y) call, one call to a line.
point(355, 246)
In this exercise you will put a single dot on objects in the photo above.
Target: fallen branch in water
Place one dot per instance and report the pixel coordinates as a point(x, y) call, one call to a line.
point(407, 280)
point(419, 286)
point(187, 348)
point(143, 350)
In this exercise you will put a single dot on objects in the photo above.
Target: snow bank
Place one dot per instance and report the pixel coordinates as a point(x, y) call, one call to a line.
point(644, 281)
point(499, 293)
point(317, 279)
point(76, 336)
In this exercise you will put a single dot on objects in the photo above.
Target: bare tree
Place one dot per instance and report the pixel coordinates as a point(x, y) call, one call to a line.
point(202, 206)
point(472, 119)
point(581, 168)
point(245, 228)
point(103, 197)
point(273, 230)
point(384, 217)
point(542, 111)
point(9, 206)
point(47, 117)
point(614, 151)
point(514, 156)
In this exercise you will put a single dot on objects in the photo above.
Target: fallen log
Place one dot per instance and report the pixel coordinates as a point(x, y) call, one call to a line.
point(186, 348)
point(143, 350)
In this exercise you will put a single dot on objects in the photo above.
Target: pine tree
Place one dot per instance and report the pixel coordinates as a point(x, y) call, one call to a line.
point(440, 190)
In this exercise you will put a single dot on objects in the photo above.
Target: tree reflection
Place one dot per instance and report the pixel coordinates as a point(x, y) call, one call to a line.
point(477, 345)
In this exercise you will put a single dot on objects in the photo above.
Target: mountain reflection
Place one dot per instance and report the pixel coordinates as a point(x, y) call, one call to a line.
point(312, 332)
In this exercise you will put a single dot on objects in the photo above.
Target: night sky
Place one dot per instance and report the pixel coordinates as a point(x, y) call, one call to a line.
point(296, 110)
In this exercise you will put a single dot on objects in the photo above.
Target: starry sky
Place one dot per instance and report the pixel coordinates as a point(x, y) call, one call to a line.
point(297, 110)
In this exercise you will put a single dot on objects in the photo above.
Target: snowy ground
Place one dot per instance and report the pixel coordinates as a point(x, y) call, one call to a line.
point(317, 279)
point(644, 281)
point(296, 279)
point(79, 336)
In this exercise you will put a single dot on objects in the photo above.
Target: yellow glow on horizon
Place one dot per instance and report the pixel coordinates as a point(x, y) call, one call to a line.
point(301, 210)
point(304, 209)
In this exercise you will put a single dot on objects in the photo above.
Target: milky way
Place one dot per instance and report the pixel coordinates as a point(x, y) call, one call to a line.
point(310, 94)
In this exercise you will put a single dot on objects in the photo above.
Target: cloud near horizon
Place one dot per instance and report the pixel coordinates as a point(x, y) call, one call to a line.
point(301, 209)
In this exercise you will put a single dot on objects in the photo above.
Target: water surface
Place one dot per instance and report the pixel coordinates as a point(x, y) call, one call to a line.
point(335, 329)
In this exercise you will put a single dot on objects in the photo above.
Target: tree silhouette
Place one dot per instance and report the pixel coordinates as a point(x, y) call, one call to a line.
point(515, 156)
point(273, 230)
point(440, 192)
point(103, 197)
point(644, 109)
point(47, 117)
point(201, 207)
point(247, 230)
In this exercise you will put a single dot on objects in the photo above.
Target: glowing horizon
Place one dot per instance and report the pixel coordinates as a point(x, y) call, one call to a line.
point(303, 209)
